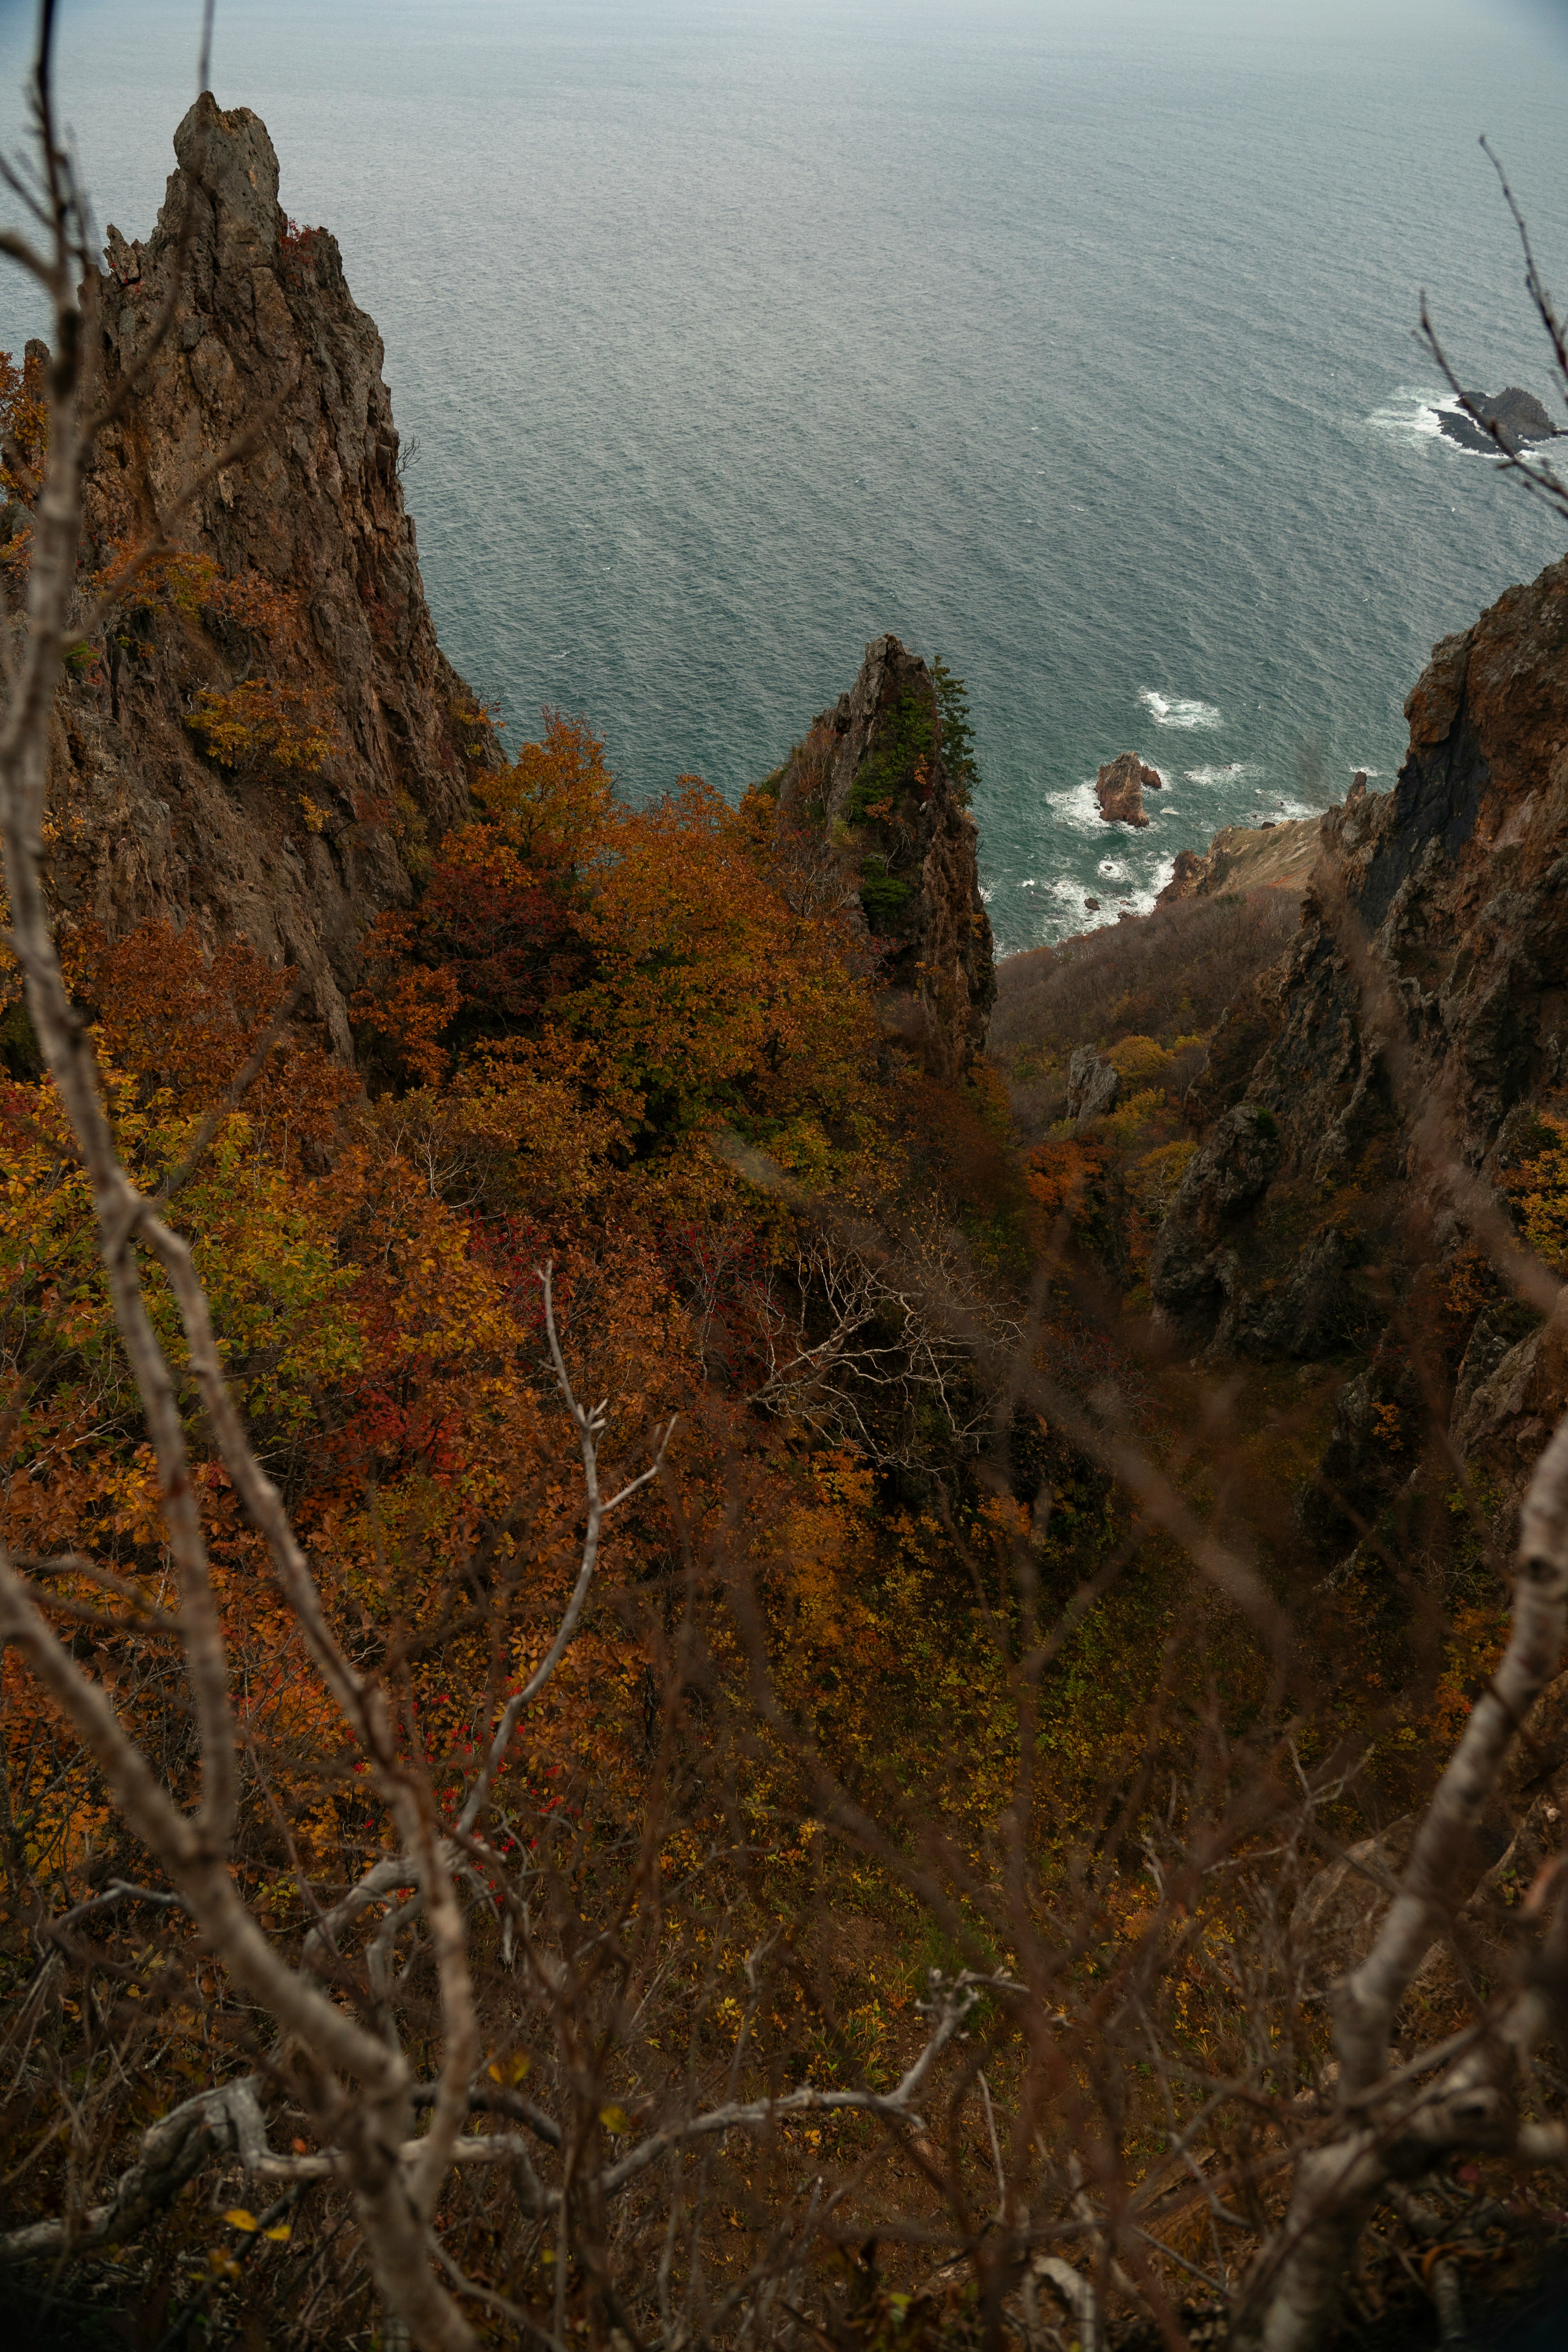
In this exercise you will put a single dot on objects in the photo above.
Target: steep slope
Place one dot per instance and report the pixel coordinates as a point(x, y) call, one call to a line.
point(298, 584)
point(1247, 857)
point(1306, 1227)
point(871, 789)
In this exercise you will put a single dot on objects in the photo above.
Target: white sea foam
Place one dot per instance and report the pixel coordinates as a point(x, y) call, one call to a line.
point(1177, 710)
point(1233, 774)
point(1111, 869)
point(1078, 807)
point(1283, 811)
point(1413, 411)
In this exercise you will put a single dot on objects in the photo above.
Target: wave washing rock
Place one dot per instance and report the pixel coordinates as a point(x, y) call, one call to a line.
point(1119, 788)
point(266, 338)
point(1457, 879)
point(869, 787)
point(1519, 417)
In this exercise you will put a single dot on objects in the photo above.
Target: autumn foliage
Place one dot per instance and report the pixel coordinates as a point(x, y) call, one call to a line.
point(623, 1043)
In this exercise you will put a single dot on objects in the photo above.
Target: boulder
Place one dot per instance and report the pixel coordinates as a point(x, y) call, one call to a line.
point(1119, 788)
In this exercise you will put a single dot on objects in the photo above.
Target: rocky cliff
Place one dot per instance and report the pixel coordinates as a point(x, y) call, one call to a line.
point(337, 738)
point(1308, 1226)
point(871, 786)
point(1248, 857)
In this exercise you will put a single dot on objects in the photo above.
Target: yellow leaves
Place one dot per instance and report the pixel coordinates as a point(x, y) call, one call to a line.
point(1153, 1179)
point(554, 804)
point(1539, 1190)
point(1138, 1060)
point(614, 2119)
point(263, 723)
point(238, 2217)
point(510, 2072)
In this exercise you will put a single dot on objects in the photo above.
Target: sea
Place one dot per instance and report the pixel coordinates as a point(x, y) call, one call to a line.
point(1074, 343)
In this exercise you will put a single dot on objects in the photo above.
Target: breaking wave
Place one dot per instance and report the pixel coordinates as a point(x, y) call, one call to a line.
point(1177, 710)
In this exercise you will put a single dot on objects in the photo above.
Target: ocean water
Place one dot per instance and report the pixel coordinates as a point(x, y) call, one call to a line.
point(1073, 342)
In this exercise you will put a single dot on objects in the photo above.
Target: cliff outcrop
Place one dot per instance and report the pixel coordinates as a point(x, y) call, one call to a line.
point(871, 789)
point(337, 739)
point(1248, 857)
point(1309, 1224)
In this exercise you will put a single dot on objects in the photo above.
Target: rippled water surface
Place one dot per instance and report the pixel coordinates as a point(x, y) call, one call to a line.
point(1072, 343)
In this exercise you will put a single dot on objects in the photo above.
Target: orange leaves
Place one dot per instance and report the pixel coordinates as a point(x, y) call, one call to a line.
point(1060, 1175)
point(712, 999)
point(184, 582)
point(187, 1024)
point(586, 986)
point(555, 805)
point(406, 1003)
point(24, 423)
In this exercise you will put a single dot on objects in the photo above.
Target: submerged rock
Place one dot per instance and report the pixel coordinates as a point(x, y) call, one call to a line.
point(1519, 417)
point(1119, 788)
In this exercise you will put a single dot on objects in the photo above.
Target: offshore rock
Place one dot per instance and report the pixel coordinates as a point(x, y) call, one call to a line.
point(1518, 416)
point(869, 800)
point(1119, 788)
point(267, 345)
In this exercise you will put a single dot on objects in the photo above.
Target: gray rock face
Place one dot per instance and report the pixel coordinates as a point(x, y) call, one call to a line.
point(1092, 1086)
point(1119, 788)
point(1458, 882)
point(266, 338)
point(1189, 1266)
